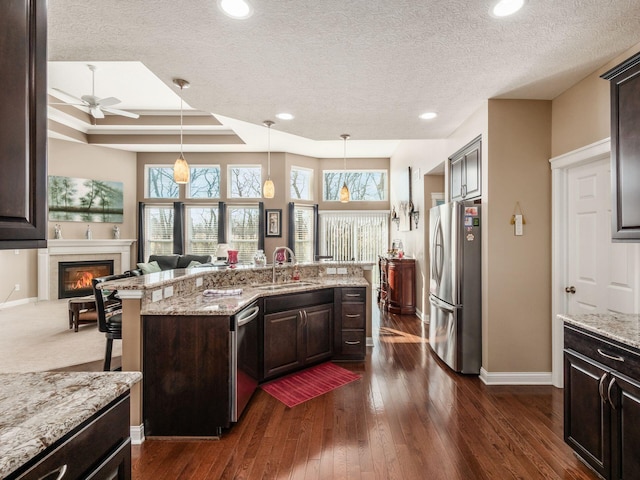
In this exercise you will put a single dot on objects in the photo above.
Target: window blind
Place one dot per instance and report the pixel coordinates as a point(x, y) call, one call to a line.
point(355, 236)
point(202, 229)
point(304, 233)
point(158, 225)
point(244, 226)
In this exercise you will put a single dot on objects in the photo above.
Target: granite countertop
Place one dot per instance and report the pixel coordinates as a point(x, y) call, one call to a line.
point(623, 328)
point(36, 409)
point(197, 304)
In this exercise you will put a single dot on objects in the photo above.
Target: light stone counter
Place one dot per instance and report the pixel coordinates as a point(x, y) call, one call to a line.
point(623, 328)
point(37, 409)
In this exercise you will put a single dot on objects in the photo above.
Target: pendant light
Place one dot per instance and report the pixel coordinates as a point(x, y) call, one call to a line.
point(268, 190)
point(181, 167)
point(344, 191)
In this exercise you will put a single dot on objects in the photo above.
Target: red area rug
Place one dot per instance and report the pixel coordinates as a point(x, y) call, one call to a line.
point(312, 382)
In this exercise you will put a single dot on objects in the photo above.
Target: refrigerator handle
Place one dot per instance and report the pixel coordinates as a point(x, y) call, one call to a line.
point(436, 302)
point(438, 252)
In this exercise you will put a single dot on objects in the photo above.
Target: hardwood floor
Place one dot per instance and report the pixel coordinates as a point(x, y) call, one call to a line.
point(409, 417)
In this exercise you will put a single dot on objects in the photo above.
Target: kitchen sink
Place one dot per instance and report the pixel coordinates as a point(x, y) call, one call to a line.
point(283, 286)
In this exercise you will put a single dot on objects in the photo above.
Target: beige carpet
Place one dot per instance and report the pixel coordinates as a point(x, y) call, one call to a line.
point(36, 337)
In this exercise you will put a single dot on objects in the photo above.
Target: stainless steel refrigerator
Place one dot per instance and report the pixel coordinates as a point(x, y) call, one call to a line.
point(455, 295)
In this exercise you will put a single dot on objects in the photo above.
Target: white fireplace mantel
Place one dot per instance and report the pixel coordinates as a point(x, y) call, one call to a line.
point(119, 250)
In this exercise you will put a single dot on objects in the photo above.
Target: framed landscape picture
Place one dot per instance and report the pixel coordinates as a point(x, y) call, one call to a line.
point(84, 200)
point(273, 223)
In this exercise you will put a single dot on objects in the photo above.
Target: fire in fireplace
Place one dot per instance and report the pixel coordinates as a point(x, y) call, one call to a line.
point(74, 278)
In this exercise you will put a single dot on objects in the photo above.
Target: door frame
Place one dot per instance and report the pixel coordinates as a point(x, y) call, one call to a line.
point(560, 167)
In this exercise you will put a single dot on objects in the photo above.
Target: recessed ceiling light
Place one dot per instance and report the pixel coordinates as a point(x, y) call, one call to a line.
point(504, 8)
point(239, 9)
point(428, 115)
point(285, 116)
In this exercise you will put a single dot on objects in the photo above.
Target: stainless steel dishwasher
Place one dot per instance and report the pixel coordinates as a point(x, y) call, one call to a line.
point(244, 357)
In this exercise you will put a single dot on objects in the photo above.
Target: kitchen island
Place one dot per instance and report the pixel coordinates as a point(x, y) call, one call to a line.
point(602, 391)
point(169, 296)
point(47, 418)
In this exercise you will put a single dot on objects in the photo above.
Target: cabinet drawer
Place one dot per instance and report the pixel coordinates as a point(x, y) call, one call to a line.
point(353, 315)
point(615, 356)
point(353, 295)
point(92, 443)
point(353, 343)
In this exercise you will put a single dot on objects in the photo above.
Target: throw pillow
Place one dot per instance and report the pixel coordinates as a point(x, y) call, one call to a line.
point(150, 267)
point(193, 263)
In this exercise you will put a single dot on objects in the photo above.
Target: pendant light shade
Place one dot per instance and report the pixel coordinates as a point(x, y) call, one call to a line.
point(269, 189)
point(181, 169)
point(344, 191)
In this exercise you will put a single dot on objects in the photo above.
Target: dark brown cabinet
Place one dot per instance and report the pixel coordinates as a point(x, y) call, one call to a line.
point(23, 124)
point(298, 331)
point(465, 167)
point(350, 335)
point(186, 371)
point(625, 149)
point(100, 448)
point(602, 403)
point(397, 285)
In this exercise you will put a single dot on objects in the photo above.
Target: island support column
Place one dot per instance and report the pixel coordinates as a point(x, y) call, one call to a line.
point(132, 355)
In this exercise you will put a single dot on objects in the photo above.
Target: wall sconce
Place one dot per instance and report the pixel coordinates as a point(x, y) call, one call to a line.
point(395, 218)
point(416, 216)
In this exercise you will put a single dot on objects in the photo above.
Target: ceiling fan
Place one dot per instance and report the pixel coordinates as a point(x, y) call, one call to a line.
point(97, 106)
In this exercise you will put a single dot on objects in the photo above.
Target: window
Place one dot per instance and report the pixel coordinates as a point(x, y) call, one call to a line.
point(364, 186)
point(304, 233)
point(159, 182)
point(204, 182)
point(243, 231)
point(158, 225)
point(202, 230)
point(360, 236)
point(301, 183)
point(245, 181)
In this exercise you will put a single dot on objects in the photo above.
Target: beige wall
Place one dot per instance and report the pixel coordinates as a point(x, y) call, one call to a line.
point(422, 156)
point(581, 114)
point(518, 268)
point(81, 161)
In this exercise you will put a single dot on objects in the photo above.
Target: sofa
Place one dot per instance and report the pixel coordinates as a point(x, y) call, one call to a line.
point(158, 263)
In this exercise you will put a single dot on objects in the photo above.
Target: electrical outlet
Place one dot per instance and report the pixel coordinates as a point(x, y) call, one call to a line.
point(168, 292)
point(342, 271)
point(331, 271)
point(17, 287)
point(156, 295)
point(16, 252)
point(199, 282)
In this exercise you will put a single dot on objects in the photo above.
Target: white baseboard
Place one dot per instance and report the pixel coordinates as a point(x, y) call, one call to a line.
point(137, 434)
point(515, 378)
point(369, 341)
point(15, 303)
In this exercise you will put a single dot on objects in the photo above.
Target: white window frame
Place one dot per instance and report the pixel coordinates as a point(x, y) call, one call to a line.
point(188, 232)
point(188, 186)
point(309, 185)
point(311, 230)
point(146, 182)
point(230, 180)
point(371, 170)
point(147, 239)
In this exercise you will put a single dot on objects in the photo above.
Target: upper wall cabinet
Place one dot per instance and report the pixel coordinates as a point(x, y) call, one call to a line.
point(625, 149)
point(465, 172)
point(23, 124)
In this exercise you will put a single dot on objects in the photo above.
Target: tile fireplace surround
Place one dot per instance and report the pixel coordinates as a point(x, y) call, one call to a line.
point(77, 250)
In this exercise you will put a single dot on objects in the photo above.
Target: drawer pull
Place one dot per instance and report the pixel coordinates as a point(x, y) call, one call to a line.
point(351, 294)
point(56, 474)
point(353, 315)
point(352, 342)
point(617, 358)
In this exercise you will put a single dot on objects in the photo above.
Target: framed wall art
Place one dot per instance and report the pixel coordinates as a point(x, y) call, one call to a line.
point(273, 223)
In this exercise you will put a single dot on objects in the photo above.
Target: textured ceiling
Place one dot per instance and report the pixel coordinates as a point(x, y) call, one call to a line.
point(366, 67)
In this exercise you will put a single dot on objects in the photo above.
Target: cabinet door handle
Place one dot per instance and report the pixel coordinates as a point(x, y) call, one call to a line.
point(352, 342)
point(56, 474)
point(601, 387)
point(351, 294)
point(611, 383)
point(617, 358)
point(352, 315)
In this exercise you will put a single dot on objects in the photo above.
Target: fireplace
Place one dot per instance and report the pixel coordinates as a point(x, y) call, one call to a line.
point(74, 278)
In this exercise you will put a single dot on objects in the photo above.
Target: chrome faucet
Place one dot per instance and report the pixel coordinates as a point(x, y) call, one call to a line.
point(293, 260)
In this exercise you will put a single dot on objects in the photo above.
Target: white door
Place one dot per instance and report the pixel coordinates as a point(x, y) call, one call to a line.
point(602, 273)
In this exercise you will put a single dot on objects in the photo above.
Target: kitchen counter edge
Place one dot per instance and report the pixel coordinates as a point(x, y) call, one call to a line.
point(623, 328)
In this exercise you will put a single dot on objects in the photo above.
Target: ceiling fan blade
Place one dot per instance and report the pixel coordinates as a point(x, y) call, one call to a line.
point(96, 112)
point(107, 102)
point(91, 100)
point(71, 104)
point(76, 99)
point(124, 113)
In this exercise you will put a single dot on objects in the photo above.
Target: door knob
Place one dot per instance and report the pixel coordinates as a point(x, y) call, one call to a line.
point(570, 289)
